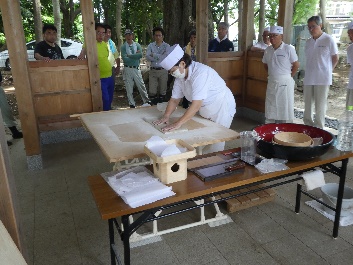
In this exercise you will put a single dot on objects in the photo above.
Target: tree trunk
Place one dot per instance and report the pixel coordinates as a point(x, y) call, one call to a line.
point(210, 22)
point(326, 26)
point(69, 14)
point(37, 20)
point(57, 19)
point(119, 6)
point(240, 23)
point(178, 21)
point(225, 6)
point(261, 19)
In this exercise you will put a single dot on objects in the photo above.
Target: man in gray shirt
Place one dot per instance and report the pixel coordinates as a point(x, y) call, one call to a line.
point(156, 52)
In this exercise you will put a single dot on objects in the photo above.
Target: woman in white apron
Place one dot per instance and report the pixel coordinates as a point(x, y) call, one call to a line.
point(203, 87)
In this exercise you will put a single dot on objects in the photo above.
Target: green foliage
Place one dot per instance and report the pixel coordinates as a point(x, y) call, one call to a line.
point(142, 16)
point(303, 9)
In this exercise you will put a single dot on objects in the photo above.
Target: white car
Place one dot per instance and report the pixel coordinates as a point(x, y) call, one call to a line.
point(71, 49)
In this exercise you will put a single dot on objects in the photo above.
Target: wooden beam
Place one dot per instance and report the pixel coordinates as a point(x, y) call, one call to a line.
point(16, 44)
point(89, 33)
point(202, 31)
point(248, 32)
point(285, 17)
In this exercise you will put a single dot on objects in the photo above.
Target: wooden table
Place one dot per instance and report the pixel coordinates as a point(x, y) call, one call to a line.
point(122, 134)
point(111, 206)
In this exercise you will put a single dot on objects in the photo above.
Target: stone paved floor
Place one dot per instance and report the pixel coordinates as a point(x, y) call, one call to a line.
point(62, 225)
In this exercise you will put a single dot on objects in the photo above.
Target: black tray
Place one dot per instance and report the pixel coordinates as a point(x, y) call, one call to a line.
point(217, 170)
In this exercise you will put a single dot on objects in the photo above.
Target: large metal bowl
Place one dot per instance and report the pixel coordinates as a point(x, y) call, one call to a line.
point(270, 149)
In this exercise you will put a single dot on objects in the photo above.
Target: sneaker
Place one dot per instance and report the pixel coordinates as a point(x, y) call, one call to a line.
point(154, 100)
point(132, 106)
point(9, 143)
point(17, 135)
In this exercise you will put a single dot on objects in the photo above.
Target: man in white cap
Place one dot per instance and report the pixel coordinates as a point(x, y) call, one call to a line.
point(281, 62)
point(131, 53)
point(203, 87)
point(321, 55)
point(262, 45)
point(349, 101)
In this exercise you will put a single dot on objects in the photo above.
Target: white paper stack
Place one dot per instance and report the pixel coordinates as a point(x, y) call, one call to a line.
point(160, 148)
point(139, 188)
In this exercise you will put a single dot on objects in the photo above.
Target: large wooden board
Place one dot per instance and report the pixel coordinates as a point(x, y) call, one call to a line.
point(121, 134)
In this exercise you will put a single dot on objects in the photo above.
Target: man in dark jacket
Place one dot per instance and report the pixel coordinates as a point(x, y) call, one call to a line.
point(221, 43)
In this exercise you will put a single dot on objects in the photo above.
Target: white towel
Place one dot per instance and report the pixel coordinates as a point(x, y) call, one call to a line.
point(313, 179)
point(140, 188)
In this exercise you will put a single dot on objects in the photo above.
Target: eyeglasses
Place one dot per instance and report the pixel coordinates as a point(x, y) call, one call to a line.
point(312, 27)
point(100, 33)
point(266, 36)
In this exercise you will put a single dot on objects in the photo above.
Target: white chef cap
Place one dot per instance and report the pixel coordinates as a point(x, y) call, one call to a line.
point(276, 29)
point(267, 29)
point(175, 53)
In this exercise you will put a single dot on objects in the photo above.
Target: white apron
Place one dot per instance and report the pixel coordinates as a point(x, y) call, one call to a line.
point(279, 103)
point(221, 110)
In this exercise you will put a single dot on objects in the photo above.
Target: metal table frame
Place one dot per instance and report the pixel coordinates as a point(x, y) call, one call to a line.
point(128, 227)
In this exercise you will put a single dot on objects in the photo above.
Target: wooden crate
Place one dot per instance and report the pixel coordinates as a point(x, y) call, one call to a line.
point(249, 200)
point(172, 168)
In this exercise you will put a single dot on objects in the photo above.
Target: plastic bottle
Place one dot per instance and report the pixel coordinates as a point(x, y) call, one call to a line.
point(345, 131)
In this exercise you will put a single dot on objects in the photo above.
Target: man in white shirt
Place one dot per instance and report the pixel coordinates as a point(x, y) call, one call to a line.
point(262, 45)
point(349, 101)
point(321, 54)
point(281, 62)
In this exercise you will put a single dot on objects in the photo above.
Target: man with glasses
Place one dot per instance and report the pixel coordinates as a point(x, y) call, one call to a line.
point(321, 54)
point(262, 45)
point(221, 43)
point(158, 76)
point(105, 68)
point(281, 62)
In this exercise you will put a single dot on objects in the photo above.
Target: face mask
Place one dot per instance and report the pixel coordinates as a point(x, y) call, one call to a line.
point(177, 74)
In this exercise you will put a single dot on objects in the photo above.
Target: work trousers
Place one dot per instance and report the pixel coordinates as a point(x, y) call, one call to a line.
point(6, 112)
point(131, 76)
point(158, 78)
point(107, 86)
point(315, 95)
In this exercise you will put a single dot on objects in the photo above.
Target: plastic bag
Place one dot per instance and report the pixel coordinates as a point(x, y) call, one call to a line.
point(272, 165)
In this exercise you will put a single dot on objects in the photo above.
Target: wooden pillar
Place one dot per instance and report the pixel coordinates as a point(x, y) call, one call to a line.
point(202, 31)
point(89, 33)
point(12, 20)
point(246, 40)
point(285, 17)
point(247, 25)
point(8, 197)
